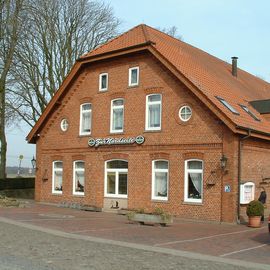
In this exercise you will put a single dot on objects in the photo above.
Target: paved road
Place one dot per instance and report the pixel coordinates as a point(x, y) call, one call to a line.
point(24, 248)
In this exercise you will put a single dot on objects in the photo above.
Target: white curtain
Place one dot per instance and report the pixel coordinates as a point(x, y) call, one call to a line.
point(154, 115)
point(58, 180)
point(118, 119)
point(86, 121)
point(196, 179)
point(161, 184)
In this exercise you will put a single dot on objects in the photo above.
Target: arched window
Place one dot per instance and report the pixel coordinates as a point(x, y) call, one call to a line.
point(116, 176)
point(160, 180)
point(78, 177)
point(193, 180)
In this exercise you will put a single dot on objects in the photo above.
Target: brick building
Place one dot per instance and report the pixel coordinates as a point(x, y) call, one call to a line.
point(148, 121)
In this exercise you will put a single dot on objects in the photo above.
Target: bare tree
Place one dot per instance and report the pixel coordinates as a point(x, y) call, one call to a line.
point(10, 26)
point(172, 31)
point(57, 33)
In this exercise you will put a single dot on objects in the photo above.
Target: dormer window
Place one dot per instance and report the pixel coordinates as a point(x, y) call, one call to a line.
point(103, 82)
point(133, 78)
point(227, 105)
point(246, 109)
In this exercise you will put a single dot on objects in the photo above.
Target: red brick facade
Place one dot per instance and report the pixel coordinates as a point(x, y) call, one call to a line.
point(212, 132)
point(202, 137)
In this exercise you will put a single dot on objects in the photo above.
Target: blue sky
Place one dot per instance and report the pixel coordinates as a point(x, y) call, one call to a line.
point(222, 28)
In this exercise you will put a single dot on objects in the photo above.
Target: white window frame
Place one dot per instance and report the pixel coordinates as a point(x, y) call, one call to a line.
point(192, 200)
point(74, 177)
point(81, 113)
point(129, 76)
point(100, 82)
point(160, 198)
point(53, 176)
point(64, 124)
point(180, 113)
point(148, 104)
point(116, 195)
point(111, 118)
point(242, 192)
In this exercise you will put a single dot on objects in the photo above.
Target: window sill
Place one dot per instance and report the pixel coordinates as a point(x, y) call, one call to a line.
point(114, 197)
point(159, 201)
point(78, 195)
point(193, 203)
point(84, 135)
point(116, 133)
point(133, 86)
point(102, 91)
point(57, 194)
point(152, 130)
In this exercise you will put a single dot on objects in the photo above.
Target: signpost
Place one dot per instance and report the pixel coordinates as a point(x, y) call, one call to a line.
point(20, 163)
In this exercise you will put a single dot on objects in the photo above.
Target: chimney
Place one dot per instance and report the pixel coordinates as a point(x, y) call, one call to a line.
point(234, 66)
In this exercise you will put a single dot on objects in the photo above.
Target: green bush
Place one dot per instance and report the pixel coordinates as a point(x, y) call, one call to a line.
point(255, 208)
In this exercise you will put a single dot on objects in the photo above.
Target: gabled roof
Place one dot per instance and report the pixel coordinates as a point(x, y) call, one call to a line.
point(205, 75)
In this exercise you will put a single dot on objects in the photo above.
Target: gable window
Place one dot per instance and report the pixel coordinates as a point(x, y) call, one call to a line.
point(246, 109)
point(153, 112)
point(85, 119)
point(78, 177)
point(247, 192)
point(117, 115)
point(133, 77)
point(185, 113)
point(116, 172)
point(227, 105)
point(103, 81)
point(193, 180)
point(64, 125)
point(57, 177)
point(160, 180)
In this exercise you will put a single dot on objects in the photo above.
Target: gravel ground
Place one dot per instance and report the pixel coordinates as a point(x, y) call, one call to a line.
point(22, 248)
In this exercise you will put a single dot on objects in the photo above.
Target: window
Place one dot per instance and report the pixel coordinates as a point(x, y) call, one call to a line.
point(103, 82)
point(116, 178)
point(64, 125)
point(133, 77)
point(193, 180)
point(227, 105)
point(185, 113)
point(117, 115)
point(246, 109)
point(85, 119)
point(160, 180)
point(153, 112)
point(78, 177)
point(247, 192)
point(57, 179)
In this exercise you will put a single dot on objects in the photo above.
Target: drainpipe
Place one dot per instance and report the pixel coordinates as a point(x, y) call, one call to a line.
point(240, 145)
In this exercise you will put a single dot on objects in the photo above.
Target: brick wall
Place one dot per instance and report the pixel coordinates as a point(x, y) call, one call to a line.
point(256, 167)
point(203, 136)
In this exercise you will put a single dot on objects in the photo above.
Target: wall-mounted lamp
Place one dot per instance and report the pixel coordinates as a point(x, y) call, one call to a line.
point(223, 162)
point(34, 162)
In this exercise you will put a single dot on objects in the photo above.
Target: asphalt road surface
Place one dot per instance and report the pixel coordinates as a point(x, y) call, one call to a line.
point(24, 248)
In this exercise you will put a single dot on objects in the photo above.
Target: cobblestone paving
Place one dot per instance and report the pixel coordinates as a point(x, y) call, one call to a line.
point(26, 249)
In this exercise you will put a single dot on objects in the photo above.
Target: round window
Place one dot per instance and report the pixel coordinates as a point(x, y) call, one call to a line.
point(64, 125)
point(185, 113)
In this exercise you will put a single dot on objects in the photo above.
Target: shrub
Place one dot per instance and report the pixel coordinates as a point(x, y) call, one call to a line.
point(255, 208)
